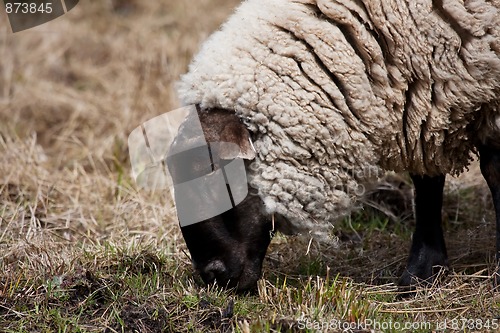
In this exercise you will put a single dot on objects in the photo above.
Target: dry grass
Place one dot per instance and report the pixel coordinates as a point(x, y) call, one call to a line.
point(82, 250)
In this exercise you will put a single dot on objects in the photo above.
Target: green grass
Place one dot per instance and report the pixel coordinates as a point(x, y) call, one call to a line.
point(146, 291)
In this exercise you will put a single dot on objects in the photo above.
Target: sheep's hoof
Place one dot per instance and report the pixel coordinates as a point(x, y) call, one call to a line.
point(409, 281)
point(423, 269)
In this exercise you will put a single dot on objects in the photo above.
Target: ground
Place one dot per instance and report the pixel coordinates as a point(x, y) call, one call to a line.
point(82, 249)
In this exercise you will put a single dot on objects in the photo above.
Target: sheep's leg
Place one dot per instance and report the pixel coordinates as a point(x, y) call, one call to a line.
point(428, 250)
point(490, 167)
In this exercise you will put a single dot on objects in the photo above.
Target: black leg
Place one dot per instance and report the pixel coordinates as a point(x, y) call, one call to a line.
point(428, 250)
point(490, 167)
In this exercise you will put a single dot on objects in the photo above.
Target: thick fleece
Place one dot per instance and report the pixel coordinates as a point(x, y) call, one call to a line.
point(335, 92)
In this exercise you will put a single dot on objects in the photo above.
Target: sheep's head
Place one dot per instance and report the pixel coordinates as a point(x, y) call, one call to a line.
point(227, 248)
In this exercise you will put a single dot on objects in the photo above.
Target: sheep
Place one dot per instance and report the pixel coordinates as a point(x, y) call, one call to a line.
point(333, 94)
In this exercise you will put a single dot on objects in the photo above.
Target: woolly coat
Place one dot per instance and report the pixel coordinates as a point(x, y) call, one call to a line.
point(334, 92)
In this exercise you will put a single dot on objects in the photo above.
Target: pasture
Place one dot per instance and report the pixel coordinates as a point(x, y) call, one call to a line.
point(82, 249)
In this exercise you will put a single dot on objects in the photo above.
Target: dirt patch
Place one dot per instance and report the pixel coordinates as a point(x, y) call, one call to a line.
point(82, 286)
point(141, 319)
point(215, 318)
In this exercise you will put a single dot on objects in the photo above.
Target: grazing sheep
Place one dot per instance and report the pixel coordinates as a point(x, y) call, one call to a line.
point(333, 93)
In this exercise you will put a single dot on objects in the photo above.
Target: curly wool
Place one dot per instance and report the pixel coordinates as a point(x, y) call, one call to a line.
point(334, 92)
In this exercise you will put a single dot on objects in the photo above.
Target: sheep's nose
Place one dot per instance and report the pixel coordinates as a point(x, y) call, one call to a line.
point(215, 270)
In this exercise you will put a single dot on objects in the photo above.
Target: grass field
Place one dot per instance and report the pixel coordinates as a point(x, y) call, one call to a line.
point(83, 250)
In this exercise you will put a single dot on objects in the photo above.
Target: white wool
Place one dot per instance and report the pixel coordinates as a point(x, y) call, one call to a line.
point(335, 92)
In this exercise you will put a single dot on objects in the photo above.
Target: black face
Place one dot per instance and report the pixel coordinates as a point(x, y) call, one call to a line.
point(229, 249)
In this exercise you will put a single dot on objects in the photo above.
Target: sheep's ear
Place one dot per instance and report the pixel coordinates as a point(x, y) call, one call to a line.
point(236, 132)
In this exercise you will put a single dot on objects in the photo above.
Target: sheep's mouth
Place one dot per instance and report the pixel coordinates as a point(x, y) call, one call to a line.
point(245, 279)
point(229, 282)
